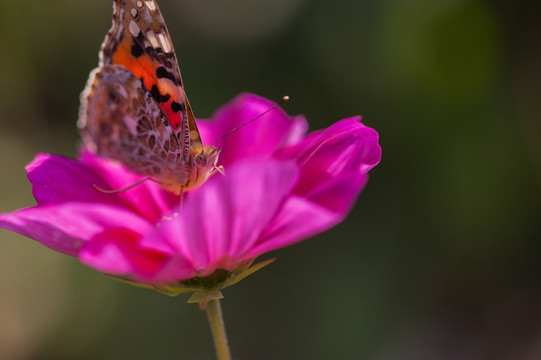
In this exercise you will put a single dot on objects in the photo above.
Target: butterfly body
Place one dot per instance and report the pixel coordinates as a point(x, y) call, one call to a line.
point(134, 108)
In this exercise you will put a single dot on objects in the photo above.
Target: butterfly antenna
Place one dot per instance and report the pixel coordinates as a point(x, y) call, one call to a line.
point(123, 189)
point(280, 103)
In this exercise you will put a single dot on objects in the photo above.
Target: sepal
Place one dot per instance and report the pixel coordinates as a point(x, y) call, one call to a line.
point(204, 288)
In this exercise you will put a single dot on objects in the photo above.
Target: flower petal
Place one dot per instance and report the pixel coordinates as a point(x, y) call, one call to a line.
point(298, 219)
point(56, 179)
point(334, 163)
point(258, 139)
point(115, 251)
point(147, 199)
point(220, 224)
point(66, 227)
point(280, 188)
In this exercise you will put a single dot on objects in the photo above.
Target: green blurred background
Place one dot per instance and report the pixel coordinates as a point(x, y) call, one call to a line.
point(440, 259)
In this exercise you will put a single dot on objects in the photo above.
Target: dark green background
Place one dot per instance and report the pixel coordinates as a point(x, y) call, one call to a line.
point(440, 258)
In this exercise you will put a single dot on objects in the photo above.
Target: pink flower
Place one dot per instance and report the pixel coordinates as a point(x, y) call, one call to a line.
point(281, 186)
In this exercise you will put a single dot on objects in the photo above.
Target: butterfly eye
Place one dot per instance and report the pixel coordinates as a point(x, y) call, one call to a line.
point(200, 160)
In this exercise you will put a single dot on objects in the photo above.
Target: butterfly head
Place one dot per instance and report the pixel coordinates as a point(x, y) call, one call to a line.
point(203, 163)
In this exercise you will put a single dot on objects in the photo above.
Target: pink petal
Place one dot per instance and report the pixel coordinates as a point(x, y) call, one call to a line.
point(115, 251)
point(298, 219)
point(147, 199)
point(334, 163)
point(258, 139)
point(224, 220)
point(56, 179)
point(66, 227)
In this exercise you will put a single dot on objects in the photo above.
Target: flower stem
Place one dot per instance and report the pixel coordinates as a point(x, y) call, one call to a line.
point(217, 327)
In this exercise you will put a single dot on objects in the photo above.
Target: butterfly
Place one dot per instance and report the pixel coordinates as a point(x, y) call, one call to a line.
point(134, 108)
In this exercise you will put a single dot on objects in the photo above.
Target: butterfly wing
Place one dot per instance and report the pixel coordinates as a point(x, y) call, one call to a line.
point(134, 108)
point(120, 120)
point(139, 40)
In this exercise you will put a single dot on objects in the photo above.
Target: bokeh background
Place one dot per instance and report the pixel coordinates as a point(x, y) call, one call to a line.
point(441, 257)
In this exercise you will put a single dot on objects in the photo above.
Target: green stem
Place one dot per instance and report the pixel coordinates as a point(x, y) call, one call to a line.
point(217, 327)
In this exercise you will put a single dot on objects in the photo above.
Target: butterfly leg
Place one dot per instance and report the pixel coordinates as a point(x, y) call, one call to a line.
point(123, 189)
point(181, 196)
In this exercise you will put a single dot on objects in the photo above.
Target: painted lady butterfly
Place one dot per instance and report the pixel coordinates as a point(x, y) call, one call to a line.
point(134, 108)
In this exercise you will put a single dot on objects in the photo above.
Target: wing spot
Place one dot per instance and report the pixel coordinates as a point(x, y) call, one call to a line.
point(134, 29)
point(151, 36)
point(163, 73)
point(105, 128)
point(134, 13)
point(174, 142)
point(157, 96)
point(112, 96)
point(151, 5)
point(136, 49)
point(152, 141)
point(177, 107)
point(166, 45)
point(140, 4)
point(159, 123)
point(194, 133)
point(144, 125)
